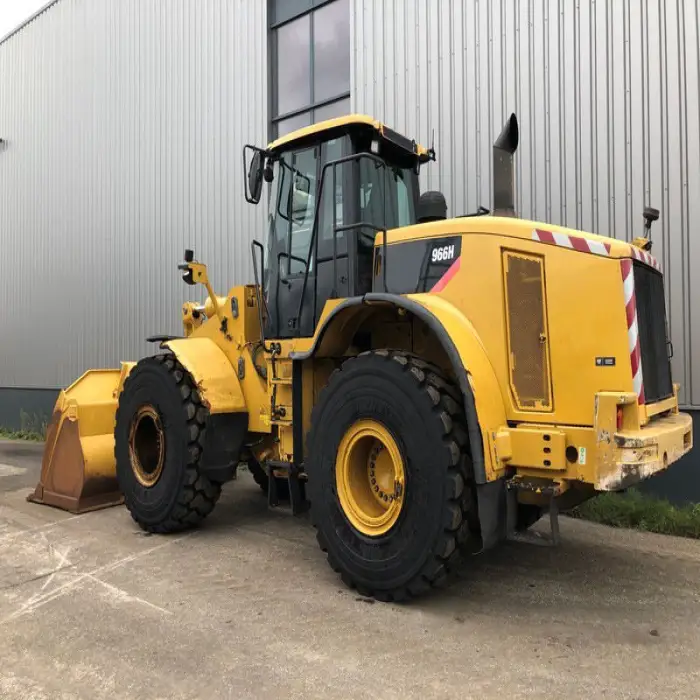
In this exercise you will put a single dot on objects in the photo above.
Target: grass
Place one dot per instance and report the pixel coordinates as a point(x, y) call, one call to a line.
point(640, 511)
point(32, 428)
point(29, 435)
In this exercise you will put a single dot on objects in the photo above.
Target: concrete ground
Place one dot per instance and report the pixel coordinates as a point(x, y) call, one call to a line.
point(246, 607)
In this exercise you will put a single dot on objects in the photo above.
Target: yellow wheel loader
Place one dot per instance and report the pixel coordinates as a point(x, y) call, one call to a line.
point(426, 385)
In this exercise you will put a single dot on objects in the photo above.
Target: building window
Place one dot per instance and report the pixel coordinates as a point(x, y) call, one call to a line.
point(310, 62)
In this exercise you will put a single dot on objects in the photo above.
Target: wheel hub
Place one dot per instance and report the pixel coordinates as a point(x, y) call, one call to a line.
point(147, 446)
point(370, 478)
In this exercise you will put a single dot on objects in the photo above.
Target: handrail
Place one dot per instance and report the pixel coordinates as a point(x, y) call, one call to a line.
point(259, 291)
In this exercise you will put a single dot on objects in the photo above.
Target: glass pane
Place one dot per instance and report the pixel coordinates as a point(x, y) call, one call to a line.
point(386, 195)
point(332, 150)
point(292, 203)
point(286, 126)
point(334, 109)
point(286, 9)
point(331, 50)
point(302, 205)
point(293, 65)
point(405, 214)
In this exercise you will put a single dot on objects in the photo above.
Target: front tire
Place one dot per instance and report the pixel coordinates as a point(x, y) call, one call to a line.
point(158, 447)
point(389, 474)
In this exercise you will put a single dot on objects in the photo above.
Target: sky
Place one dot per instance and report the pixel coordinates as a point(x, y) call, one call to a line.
point(14, 12)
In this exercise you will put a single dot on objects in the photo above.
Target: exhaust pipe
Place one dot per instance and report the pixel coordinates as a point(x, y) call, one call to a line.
point(503, 172)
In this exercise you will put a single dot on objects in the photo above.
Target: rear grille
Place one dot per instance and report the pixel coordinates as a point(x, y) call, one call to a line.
point(651, 319)
point(527, 331)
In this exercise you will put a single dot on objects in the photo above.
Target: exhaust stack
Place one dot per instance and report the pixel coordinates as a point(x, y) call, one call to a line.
point(503, 173)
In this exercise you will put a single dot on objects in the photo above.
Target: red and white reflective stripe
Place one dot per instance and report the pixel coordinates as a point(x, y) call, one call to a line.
point(632, 328)
point(645, 257)
point(564, 240)
point(452, 270)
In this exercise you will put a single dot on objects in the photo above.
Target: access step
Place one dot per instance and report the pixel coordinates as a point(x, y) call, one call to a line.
point(545, 487)
point(296, 480)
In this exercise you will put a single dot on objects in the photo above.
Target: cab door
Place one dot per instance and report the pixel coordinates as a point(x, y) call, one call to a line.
point(294, 216)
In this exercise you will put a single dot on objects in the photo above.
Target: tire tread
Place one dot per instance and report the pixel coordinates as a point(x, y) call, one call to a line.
point(449, 547)
point(198, 494)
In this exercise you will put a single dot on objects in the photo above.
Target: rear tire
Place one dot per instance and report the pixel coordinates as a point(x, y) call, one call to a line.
point(158, 447)
point(422, 412)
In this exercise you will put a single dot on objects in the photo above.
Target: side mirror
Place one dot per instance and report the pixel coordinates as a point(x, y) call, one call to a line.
point(254, 182)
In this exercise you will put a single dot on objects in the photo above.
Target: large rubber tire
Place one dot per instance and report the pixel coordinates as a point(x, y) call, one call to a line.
point(423, 412)
point(182, 496)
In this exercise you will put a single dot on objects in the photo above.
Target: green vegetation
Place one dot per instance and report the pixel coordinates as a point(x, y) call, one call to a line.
point(32, 427)
point(640, 511)
point(6, 434)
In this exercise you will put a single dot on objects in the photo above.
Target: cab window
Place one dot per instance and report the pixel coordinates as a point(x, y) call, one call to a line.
point(292, 209)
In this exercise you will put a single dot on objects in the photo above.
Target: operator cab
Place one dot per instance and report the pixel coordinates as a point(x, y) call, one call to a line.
point(333, 187)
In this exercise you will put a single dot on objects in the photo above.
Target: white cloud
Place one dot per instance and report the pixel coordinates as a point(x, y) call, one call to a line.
point(14, 12)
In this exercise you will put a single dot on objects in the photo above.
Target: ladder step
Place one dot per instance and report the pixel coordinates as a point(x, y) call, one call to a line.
point(297, 487)
point(541, 486)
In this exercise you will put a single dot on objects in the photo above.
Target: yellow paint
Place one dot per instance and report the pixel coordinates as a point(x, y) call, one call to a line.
point(147, 446)
point(584, 318)
point(538, 447)
point(320, 127)
point(483, 379)
point(544, 401)
point(505, 228)
point(239, 342)
point(124, 372)
point(370, 478)
point(213, 373)
point(213, 305)
point(639, 454)
point(191, 318)
point(91, 400)
point(669, 404)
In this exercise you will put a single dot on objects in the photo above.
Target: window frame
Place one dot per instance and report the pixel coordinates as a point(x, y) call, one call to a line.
point(286, 271)
point(313, 105)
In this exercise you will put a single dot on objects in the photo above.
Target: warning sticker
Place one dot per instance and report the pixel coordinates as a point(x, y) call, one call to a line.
point(581, 455)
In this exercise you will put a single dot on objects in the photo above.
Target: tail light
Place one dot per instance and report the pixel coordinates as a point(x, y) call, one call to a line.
point(619, 417)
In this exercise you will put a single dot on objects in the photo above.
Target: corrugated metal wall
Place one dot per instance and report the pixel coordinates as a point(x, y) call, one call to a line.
point(124, 122)
point(608, 97)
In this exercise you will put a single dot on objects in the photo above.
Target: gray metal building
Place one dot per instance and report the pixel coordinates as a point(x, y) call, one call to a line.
point(123, 121)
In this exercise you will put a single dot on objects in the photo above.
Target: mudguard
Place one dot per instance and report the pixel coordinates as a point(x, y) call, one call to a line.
point(213, 373)
point(483, 402)
point(474, 361)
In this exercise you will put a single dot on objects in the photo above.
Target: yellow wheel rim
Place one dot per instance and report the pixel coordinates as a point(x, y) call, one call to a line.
point(147, 446)
point(370, 478)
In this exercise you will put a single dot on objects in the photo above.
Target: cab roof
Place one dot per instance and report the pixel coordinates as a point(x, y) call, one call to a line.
point(423, 153)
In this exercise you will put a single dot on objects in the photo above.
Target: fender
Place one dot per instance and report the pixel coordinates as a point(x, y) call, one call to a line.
point(483, 404)
point(211, 370)
point(469, 357)
point(221, 393)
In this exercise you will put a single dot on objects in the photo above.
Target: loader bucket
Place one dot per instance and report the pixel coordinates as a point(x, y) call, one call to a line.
point(78, 471)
